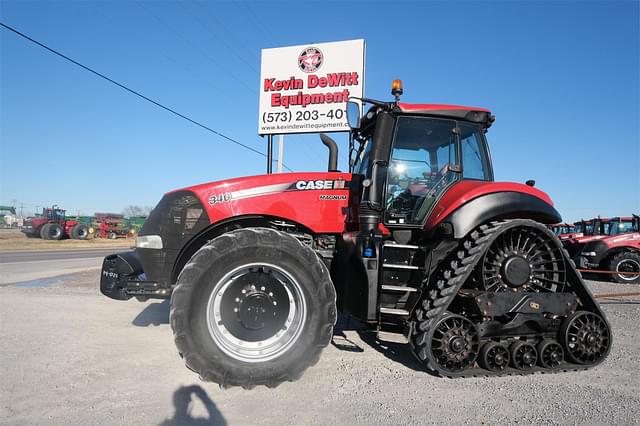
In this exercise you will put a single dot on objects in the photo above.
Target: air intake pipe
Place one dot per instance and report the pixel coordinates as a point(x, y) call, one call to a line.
point(333, 152)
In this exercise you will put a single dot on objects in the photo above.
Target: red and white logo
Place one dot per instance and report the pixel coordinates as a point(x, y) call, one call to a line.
point(310, 59)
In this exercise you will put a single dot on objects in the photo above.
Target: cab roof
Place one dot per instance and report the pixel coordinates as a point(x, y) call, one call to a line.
point(473, 114)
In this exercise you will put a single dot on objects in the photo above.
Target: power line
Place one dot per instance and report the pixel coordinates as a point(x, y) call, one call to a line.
point(122, 86)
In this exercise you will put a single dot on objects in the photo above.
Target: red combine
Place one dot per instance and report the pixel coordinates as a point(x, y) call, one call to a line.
point(52, 225)
point(618, 252)
point(416, 240)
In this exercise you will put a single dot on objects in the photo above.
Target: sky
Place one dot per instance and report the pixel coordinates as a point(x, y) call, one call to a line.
point(562, 78)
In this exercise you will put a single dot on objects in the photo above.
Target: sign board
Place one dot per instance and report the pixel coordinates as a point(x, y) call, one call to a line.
point(304, 89)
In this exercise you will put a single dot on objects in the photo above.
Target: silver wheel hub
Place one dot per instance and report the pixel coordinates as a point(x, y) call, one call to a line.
point(256, 312)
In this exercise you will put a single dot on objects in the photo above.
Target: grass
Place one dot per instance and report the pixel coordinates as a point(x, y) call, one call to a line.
point(13, 239)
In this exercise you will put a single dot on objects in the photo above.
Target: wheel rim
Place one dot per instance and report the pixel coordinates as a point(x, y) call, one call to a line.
point(587, 338)
point(54, 232)
point(82, 233)
point(628, 265)
point(522, 259)
point(524, 356)
point(551, 354)
point(495, 357)
point(256, 312)
point(454, 343)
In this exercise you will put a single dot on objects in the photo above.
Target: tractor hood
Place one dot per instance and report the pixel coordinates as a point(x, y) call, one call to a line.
point(315, 200)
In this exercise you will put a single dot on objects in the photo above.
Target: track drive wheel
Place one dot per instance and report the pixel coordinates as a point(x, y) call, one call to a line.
point(586, 337)
point(494, 357)
point(453, 345)
point(550, 353)
point(253, 307)
point(523, 355)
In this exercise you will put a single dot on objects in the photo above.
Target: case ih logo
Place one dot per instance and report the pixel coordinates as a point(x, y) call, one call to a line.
point(310, 59)
point(303, 185)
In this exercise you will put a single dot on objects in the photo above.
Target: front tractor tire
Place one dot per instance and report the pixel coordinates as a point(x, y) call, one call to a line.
point(253, 307)
point(54, 232)
point(79, 232)
point(628, 263)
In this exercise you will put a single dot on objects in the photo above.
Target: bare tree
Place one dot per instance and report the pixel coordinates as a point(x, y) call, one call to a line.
point(136, 211)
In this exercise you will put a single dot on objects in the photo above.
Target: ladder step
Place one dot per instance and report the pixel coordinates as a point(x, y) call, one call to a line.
point(387, 336)
point(396, 266)
point(398, 288)
point(401, 246)
point(392, 311)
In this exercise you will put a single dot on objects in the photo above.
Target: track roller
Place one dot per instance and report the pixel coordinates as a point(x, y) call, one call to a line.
point(550, 353)
point(586, 337)
point(523, 355)
point(454, 344)
point(494, 357)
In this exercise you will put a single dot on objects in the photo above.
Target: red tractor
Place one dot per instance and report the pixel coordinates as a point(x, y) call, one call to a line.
point(52, 225)
point(594, 230)
point(618, 252)
point(416, 240)
point(561, 229)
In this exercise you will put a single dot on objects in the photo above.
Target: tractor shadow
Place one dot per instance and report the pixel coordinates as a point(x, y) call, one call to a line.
point(182, 399)
point(396, 352)
point(153, 314)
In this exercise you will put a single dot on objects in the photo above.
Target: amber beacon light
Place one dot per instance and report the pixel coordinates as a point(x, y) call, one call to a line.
point(396, 89)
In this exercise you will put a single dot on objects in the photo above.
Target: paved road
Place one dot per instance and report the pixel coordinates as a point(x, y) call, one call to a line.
point(22, 266)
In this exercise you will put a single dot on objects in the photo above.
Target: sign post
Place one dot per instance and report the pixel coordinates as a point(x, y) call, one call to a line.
point(280, 152)
point(304, 89)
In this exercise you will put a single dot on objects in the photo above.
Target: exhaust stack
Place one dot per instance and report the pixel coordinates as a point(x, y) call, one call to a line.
point(333, 152)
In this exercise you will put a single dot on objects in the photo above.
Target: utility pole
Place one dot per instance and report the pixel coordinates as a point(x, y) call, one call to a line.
point(21, 208)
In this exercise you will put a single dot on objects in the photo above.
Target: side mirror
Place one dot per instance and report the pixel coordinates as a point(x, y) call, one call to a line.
point(353, 114)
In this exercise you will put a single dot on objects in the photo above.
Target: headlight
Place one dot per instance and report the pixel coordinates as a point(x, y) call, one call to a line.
point(149, 241)
point(589, 253)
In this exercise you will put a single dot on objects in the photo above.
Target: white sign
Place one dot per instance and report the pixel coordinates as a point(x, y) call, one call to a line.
point(305, 88)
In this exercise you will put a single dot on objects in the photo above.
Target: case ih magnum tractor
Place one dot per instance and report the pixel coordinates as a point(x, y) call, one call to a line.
point(417, 241)
point(619, 252)
point(52, 225)
point(594, 230)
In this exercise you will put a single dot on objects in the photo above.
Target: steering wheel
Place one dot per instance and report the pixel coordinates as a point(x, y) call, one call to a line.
point(421, 208)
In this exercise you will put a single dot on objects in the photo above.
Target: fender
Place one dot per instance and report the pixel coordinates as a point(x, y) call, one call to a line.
point(500, 205)
point(218, 228)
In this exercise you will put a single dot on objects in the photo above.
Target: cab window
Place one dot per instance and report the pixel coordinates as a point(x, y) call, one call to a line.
point(419, 170)
point(475, 163)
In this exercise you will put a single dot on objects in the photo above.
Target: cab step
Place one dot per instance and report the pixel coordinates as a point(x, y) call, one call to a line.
point(400, 266)
point(388, 287)
point(388, 244)
point(393, 311)
point(387, 336)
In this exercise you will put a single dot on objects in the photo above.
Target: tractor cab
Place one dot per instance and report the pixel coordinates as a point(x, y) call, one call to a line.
point(411, 154)
point(54, 214)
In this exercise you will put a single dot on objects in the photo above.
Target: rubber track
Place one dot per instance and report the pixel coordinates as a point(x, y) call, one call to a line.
point(436, 300)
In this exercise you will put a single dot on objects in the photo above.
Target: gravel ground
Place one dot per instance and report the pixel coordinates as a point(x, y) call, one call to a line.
point(71, 356)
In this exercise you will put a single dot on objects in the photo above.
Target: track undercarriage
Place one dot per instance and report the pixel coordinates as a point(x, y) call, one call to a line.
point(508, 300)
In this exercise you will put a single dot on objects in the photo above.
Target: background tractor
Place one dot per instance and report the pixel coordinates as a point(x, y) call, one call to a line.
point(618, 252)
point(53, 225)
point(417, 241)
